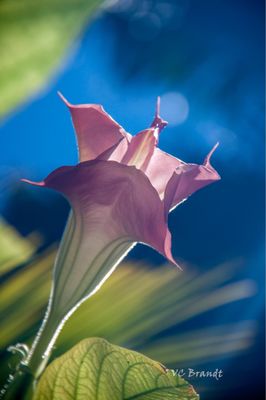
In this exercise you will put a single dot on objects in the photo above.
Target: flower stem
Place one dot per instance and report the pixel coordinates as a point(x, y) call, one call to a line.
point(42, 346)
point(20, 384)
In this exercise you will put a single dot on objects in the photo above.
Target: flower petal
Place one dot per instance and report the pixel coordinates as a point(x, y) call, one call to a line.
point(113, 206)
point(160, 169)
point(141, 149)
point(187, 179)
point(123, 192)
point(157, 165)
point(96, 130)
point(116, 152)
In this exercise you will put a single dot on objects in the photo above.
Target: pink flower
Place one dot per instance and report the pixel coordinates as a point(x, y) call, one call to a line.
point(124, 186)
point(121, 193)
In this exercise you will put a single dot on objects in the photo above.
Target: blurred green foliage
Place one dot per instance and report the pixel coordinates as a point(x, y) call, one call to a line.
point(34, 35)
point(10, 255)
point(135, 308)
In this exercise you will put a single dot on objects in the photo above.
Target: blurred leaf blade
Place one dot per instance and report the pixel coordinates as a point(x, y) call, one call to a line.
point(14, 249)
point(34, 36)
point(135, 308)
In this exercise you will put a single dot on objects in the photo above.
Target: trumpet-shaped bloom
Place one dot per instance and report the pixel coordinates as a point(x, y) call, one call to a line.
point(121, 193)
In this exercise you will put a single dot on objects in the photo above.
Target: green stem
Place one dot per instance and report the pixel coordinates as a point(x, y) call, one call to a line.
point(18, 385)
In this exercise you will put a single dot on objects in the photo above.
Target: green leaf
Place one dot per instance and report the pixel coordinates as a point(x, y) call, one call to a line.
point(34, 35)
point(96, 369)
point(14, 249)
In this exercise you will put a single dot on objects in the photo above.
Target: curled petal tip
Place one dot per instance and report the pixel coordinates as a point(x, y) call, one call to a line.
point(64, 99)
point(173, 261)
point(158, 122)
point(168, 252)
point(215, 146)
point(158, 104)
point(42, 183)
point(207, 159)
point(179, 267)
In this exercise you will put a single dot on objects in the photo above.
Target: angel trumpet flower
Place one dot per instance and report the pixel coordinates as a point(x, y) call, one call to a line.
point(120, 194)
